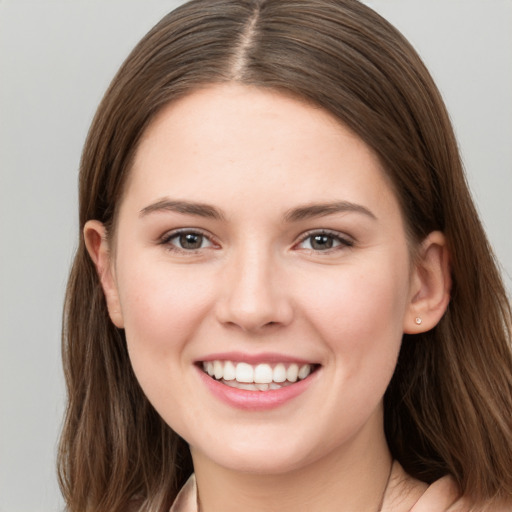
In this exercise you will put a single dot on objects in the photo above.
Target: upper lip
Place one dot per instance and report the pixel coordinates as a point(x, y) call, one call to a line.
point(263, 357)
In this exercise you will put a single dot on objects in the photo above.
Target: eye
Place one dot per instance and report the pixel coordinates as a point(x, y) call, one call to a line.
point(186, 241)
point(324, 241)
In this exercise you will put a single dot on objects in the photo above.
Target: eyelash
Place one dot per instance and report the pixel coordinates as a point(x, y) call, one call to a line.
point(166, 240)
point(333, 237)
point(343, 241)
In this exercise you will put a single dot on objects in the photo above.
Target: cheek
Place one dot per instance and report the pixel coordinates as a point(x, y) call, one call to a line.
point(157, 302)
point(360, 314)
point(161, 310)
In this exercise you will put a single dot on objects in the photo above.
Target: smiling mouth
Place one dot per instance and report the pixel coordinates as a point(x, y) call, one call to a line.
point(259, 377)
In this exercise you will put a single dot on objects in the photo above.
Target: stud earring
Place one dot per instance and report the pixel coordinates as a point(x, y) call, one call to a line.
point(418, 320)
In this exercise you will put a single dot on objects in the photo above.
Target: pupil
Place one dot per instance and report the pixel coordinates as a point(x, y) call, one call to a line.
point(191, 241)
point(321, 242)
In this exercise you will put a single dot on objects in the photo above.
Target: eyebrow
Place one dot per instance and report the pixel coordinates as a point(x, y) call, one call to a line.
point(324, 209)
point(185, 207)
point(294, 215)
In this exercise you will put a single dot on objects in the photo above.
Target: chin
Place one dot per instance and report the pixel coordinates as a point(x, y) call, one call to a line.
point(263, 457)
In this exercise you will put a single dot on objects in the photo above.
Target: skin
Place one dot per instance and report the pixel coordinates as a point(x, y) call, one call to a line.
point(256, 284)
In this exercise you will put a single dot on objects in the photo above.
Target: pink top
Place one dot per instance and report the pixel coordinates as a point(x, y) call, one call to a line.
point(403, 494)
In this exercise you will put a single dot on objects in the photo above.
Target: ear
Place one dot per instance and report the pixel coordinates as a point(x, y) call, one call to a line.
point(430, 285)
point(97, 244)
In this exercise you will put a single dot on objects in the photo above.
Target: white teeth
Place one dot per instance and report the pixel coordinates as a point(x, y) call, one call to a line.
point(263, 374)
point(304, 371)
point(229, 371)
point(241, 385)
point(292, 373)
point(244, 373)
point(218, 369)
point(253, 387)
point(279, 374)
point(259, 377)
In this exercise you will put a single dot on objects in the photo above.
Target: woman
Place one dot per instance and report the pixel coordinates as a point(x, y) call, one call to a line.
point(282, 284)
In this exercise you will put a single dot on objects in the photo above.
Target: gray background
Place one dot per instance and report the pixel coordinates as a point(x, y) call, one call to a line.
point(56, 59)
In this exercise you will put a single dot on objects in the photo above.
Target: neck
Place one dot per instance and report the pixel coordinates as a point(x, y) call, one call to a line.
point(351, 477)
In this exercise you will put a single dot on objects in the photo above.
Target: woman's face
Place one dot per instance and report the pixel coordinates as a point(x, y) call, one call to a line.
point(258, 238)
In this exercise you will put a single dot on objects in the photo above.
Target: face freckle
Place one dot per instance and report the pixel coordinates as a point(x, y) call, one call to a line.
point(257, 230)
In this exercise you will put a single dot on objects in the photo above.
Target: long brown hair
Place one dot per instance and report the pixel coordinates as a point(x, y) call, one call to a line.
point(448, 408)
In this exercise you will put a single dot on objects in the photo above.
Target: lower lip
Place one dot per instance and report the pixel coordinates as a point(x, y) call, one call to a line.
point(256, 400)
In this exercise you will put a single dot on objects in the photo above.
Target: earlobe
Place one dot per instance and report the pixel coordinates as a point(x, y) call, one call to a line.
point(98, 247)
point(430, 285)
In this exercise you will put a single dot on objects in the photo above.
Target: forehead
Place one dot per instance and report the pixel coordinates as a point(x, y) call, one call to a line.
point(234, 140)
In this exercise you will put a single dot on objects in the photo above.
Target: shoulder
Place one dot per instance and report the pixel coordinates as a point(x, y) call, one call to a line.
point(186, 501)
point(410, 495)
point(444, 495)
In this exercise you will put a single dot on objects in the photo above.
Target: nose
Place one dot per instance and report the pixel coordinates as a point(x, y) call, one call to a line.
point(254, 297)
